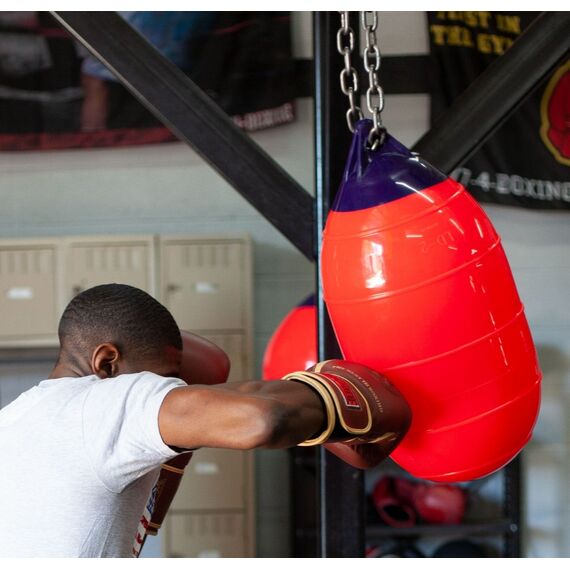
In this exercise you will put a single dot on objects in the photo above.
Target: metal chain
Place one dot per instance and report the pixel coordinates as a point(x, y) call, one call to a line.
point(348, 76)
point(374, 93)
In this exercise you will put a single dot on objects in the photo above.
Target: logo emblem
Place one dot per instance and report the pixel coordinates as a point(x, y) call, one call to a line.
point(555, 115)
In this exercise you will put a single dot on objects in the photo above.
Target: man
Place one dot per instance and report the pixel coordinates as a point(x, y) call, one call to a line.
point(82, 449)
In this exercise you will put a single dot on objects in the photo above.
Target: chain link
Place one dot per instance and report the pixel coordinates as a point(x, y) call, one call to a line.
point(348, 76)
point(374, 94)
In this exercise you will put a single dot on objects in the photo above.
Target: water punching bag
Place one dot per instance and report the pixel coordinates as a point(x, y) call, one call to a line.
point(418, 287)
point(293, 345)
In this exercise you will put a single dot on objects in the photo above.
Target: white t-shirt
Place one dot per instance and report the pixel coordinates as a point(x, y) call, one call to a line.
point(78, 459)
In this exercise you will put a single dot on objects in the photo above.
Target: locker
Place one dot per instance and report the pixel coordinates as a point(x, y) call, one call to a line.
point(28, 291)
point(204, 282)
point(206, 535)
point(214, 479)
point(91, 261)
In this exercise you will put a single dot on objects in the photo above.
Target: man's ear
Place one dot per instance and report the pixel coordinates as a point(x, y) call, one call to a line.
point(105, 360)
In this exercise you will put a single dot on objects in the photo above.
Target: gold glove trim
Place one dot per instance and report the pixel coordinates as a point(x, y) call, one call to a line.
point(350, 430)
point(173, 469)
point(386, 436)
point(327, 400)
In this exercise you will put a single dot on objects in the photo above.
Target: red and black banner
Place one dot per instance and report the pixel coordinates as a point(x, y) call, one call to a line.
point(54, 94)
point(527, 160)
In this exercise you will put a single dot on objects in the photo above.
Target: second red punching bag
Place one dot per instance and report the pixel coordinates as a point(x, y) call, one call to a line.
point(418, 287)
point(293, 345)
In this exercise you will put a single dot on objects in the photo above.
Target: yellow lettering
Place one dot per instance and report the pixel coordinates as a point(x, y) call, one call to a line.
point(451, 35)
point(470, 19)
point(454, 36)
point(489, 43)
point(459, 36)
point(484, 43)
point(484, 18)
point(466, 38)
point(438, 35)
point(500, 44)
point(510, 24)
point(497, 43)
point(441, 15)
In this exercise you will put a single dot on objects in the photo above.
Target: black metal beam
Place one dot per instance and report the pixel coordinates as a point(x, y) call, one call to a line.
point(179, 103)
point(497, 92)
point(512, 507)
point(341, 497)
point(182, 106)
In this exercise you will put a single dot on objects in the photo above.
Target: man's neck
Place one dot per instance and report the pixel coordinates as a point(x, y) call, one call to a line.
point(66, 370)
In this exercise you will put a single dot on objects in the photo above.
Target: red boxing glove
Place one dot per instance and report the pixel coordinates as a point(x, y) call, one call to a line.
point(393, 499)
point(366, 416)
point(202, 362)
point(440, 504)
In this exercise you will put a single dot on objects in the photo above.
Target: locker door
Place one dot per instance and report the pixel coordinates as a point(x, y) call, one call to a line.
point(215, 479)
point(28, 276)
point(91, 262)
point(207, 535)
point(203, 283)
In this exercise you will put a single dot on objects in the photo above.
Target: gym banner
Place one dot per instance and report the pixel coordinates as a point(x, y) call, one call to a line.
point(54, 94)
point(527, 160)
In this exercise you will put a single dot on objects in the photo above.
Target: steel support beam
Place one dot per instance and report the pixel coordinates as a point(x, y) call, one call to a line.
point(182, 106)
point(341, 496)
point(497, 92)
point(512, 507)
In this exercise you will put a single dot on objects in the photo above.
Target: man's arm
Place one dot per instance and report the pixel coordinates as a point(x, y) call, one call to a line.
point(241, 415)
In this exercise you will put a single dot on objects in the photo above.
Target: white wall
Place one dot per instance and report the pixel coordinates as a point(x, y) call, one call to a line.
point(168, 189)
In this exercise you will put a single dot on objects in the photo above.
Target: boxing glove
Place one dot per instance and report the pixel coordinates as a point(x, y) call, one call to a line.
point(393, 502)
point(361, 407)
point(440, 504)
point(202, 362)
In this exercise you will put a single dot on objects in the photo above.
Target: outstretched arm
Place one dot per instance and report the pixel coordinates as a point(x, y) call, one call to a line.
point(241, 415)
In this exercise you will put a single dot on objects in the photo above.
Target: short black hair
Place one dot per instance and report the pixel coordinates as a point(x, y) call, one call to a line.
point(120, 314)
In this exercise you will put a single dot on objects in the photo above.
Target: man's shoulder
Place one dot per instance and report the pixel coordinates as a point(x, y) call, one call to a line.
point(137, 386)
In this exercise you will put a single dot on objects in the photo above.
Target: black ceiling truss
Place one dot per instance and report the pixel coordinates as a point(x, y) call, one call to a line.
point(194, 118)
point(172, 97)
point(497, 92)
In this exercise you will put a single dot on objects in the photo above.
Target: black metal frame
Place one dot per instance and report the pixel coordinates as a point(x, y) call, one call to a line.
point(341, 487)
point(192, 115)
point(497, 92)
point(182, 106)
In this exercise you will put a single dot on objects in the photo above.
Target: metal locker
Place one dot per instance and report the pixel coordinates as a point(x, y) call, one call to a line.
point(28, 292)
point(95, 260)
point(204, 282)
point(215, 479)
point(206, 535)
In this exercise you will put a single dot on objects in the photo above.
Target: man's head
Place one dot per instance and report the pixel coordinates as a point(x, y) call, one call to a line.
point(118, 329)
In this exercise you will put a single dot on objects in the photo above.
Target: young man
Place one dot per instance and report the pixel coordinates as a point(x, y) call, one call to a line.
point(82, 450)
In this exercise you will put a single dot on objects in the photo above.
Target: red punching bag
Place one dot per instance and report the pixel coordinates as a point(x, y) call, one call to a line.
point(293, 345)
point(418, 287)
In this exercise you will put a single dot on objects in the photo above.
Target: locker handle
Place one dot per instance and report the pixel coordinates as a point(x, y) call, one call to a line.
point(20, 293)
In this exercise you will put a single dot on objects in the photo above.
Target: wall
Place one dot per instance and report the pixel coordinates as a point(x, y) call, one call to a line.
point(168, 189)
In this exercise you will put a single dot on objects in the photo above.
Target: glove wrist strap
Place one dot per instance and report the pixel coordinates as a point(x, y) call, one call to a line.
point(305, 378)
